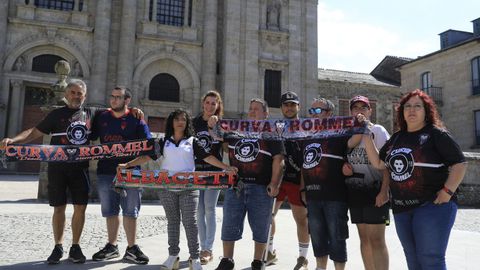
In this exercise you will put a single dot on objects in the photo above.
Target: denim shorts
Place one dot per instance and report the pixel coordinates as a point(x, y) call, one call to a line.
point(253, 201)
point(111, 201)
point(328, 226)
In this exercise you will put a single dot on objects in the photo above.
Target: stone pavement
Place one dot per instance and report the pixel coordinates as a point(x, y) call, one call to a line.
point(26, 237)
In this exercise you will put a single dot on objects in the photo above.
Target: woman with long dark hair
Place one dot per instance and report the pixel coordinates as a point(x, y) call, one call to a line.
point(179, 152)
point(424, 166)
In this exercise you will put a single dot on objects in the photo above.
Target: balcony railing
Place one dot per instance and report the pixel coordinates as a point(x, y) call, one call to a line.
point(435, 93)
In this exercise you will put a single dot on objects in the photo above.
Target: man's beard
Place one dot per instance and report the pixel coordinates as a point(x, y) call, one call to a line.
point(119, 109)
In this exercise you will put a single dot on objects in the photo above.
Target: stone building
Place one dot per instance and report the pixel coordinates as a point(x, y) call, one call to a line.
point(168, 52)
point(451, 76)
point(340, 86)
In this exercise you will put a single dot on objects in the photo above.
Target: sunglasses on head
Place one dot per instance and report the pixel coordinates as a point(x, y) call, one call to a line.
point(317, 110)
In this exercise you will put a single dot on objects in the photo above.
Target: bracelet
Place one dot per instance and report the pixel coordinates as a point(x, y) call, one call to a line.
point(447, 190)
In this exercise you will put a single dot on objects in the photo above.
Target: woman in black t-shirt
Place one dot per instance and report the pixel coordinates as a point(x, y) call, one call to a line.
point(211, 105)
point(424, 168)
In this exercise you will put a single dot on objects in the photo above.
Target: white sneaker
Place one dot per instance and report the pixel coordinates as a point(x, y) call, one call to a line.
point(194, 264)
point(172, 263)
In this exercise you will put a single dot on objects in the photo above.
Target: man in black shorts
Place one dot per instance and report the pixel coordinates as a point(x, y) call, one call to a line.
point(68, 125)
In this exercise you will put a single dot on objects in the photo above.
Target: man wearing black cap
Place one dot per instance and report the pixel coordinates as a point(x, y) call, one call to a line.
point(290, 187)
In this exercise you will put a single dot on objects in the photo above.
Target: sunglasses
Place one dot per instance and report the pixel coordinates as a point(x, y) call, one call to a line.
point(317, 110)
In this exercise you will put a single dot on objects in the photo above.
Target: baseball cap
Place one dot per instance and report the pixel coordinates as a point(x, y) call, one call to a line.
point(359, 98)
point(289, 97)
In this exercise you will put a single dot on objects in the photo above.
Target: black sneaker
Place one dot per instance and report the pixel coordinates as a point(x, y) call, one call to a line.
point(257, 265)
point(135, 255)
point(56, 255)
point(75, 255)
point(226, 264)
point(108, 252)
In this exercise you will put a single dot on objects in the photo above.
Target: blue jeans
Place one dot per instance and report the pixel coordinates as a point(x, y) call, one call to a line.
point(252, 200)
point(207, 223)
point(424, 233)
point(111, 201)
point(328, 226)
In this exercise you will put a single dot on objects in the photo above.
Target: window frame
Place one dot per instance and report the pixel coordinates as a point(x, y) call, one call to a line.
point(170, 12)
point(63, 5)
point(426, 80)
point(272, 79)
point(476, 116)
point(475, 63)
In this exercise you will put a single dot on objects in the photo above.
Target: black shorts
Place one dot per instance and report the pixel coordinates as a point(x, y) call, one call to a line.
point(71, 178)
point(370, 215)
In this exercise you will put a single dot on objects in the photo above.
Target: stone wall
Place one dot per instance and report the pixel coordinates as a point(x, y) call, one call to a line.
point(470, 187)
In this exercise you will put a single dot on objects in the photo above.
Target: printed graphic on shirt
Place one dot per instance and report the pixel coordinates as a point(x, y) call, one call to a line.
point(77, 132)
point(205, 140)
point(401, 164)
point(423, 138)
point(246, 150)
point(312, 155)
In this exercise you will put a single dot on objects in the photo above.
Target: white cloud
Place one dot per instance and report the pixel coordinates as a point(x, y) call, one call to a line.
point(359, 46)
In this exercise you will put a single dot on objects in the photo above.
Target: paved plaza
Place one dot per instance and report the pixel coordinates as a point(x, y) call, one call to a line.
point(26, 236)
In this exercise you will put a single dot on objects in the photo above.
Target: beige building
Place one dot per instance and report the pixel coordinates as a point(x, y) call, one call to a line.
point(168, 52)
point(381, 86)
point(451, 76)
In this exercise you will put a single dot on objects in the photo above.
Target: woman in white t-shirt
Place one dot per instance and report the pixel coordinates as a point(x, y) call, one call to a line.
point(180, 148)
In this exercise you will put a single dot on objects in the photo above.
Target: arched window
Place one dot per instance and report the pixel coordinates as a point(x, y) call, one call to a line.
point(45, 63)
point(66, 5)
point(164, 87)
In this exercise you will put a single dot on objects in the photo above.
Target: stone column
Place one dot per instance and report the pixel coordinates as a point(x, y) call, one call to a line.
point(3, 29)
point(154, 11)
point(185, 13)
point(76, 5)
point(310, 53)
point(101, 38)
point(232, 94)
point(209, 49)
point(4, 86)
point(126, 55)
point(146, 10)
point(15, 109)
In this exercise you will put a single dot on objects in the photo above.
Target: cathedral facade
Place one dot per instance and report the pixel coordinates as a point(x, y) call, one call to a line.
point(168, 52)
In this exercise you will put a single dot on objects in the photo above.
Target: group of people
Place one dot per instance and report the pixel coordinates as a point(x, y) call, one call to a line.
point(415, 172)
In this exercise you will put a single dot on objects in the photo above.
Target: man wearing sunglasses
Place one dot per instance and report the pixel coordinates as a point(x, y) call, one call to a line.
point(290, 187)
point(323, 187)
point(115, 125)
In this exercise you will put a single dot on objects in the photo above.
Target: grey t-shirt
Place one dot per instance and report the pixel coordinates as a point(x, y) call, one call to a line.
point(364, 185)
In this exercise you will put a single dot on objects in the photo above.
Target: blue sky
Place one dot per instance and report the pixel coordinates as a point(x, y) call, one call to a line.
point(356, 35)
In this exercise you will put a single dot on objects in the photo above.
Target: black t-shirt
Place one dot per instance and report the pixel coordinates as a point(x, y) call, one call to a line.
point(418, 165)
point(293, 162)
point(209, 144)
point(253, 158)
point(68, 127)
point(322, 169)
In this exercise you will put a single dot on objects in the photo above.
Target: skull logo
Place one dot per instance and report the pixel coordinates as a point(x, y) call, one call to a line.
point(245, 150)
point(309, 157)
point(398, 165)
point(78, 134)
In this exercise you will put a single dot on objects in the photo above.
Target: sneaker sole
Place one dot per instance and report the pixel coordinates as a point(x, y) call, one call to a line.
point(133, 260)
point(107, 257)
point(53, 262)
point(267, 263)
point(76, 261)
